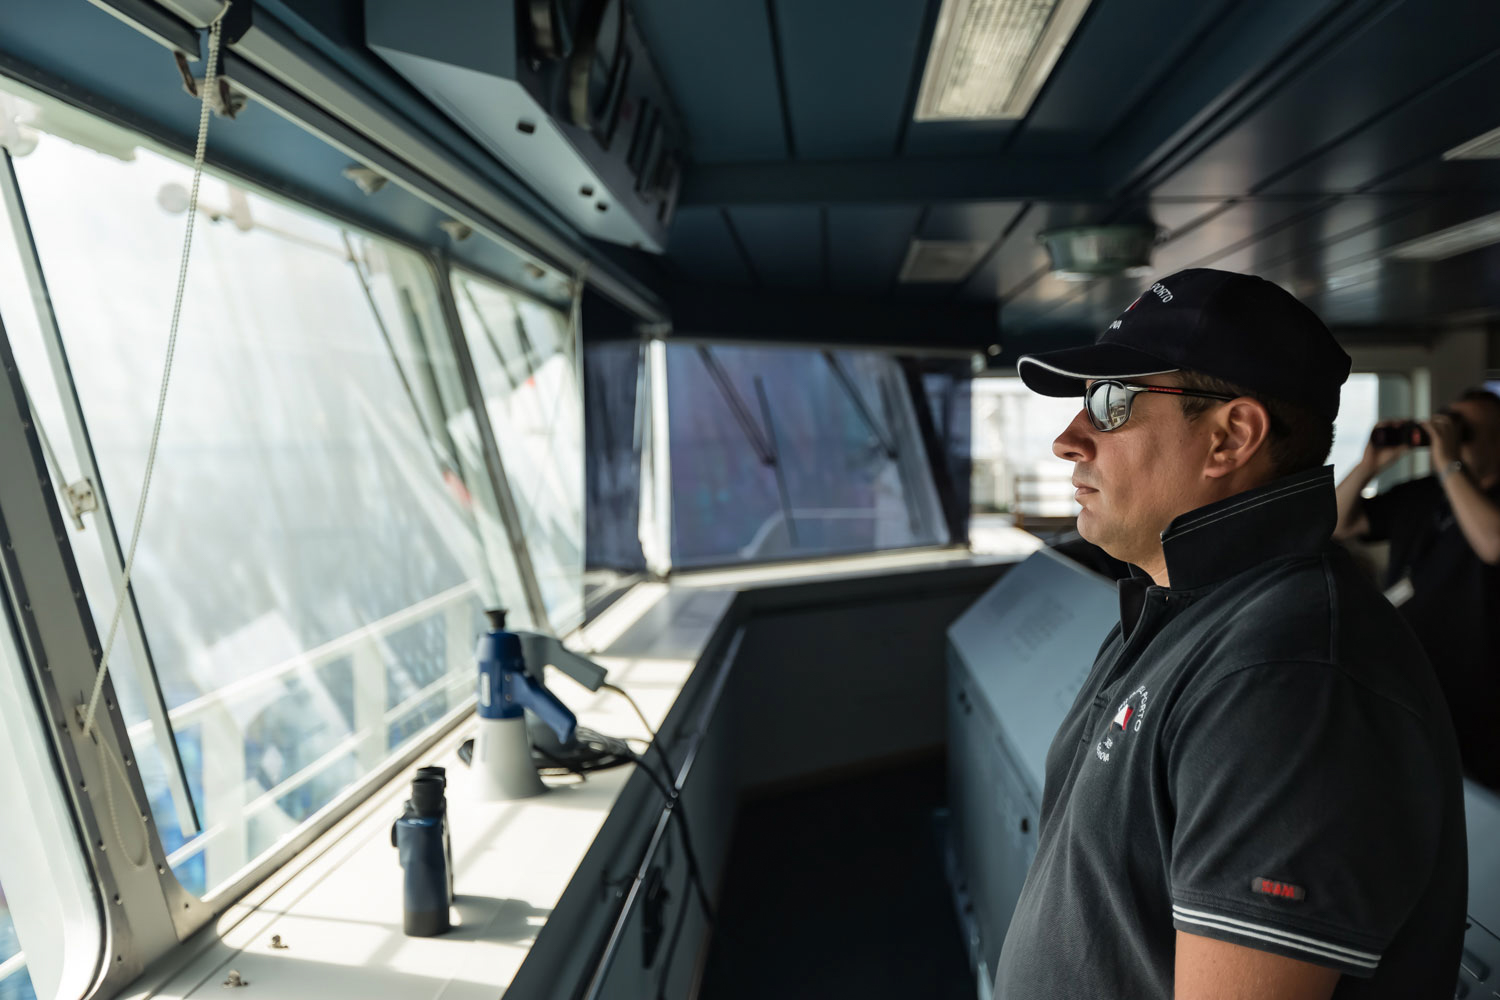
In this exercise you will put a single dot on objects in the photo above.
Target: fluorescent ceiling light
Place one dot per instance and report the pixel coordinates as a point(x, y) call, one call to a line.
point(990, 57)
point(1484, 147)
point(1451, 242)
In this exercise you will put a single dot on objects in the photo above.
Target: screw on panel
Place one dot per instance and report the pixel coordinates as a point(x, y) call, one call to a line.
point(235, 979)
point(117, 899)
point(101, 845)
point(161, 869)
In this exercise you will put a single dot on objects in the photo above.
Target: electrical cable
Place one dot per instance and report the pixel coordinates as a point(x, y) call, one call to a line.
point(655, 736)
point(674, 800)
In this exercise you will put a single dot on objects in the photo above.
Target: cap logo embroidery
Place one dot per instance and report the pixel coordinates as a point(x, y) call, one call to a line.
point(1281, 890)
point(1161, 292)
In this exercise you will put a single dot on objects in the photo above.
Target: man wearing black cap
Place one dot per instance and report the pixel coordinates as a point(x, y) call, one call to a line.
point(1257, 791)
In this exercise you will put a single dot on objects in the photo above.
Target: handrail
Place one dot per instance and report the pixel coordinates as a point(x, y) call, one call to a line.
point(190, 711)
point(337, 752)
point(12, 965)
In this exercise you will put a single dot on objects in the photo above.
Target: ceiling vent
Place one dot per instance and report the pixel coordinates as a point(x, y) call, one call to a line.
point(1484, 147)
point(1079, 253)
point(940, 261)
point(989, 58)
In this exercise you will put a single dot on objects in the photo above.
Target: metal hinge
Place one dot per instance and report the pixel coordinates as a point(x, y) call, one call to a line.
point(81, 500)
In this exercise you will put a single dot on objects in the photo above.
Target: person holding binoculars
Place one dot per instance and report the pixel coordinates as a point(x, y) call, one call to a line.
point(1444, 567)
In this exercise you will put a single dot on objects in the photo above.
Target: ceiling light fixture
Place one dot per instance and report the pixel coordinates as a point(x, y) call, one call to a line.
point(989, 58)
point(1451, 242)
point(1081, 253)
point(1483, 147)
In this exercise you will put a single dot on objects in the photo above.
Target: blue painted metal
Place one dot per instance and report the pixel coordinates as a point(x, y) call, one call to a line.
point(847, 71)
point(507, 689)
point(717, 61)
point(784, 241)
point(1358, 98)
point(893, 180)
point(702, 249)
point(867, 245)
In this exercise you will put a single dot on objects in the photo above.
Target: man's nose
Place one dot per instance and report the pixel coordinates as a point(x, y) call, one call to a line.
point(1076, 442)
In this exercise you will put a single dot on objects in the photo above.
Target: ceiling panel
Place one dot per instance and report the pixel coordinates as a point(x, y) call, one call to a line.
point(1348, 225)
point(1455, 289)
point(1242, 224)
point(1399, 50)
point(1177, 215)
point(984, 220)
point(785, 244)
point(1053, 304)
point(702, 248)
point(866, 245)
point(957, 138)
point(848, 70)
point(1119, 51)
point(1480, 176)
point(717, 61)
point(1420, 130)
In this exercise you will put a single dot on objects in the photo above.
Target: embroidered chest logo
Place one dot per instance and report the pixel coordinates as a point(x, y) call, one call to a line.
point(1128, 718)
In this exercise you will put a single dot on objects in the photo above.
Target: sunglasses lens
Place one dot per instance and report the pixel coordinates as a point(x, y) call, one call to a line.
point(1108, 405)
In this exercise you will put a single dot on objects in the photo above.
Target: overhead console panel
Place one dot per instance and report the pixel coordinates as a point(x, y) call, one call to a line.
point(561, 91)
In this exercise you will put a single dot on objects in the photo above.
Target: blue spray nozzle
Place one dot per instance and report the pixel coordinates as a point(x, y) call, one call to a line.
point(507, 689)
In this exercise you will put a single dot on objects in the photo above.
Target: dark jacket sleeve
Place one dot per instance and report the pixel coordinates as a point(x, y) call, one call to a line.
point(1386, 512)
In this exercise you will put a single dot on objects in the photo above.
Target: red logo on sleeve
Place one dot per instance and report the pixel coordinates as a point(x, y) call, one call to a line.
point(1281, 890)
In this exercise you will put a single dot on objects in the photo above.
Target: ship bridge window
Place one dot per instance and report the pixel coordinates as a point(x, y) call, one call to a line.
point(50, 940)
point(527, 359)
point(320, 538)
point(1015, 473)
point(779, 453)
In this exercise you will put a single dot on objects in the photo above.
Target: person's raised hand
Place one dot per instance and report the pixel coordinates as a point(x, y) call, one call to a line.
point(1446, 435)
point(1378, 459)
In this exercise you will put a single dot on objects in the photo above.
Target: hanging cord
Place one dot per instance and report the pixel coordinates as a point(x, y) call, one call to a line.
point(575, 343)
point(215, 31)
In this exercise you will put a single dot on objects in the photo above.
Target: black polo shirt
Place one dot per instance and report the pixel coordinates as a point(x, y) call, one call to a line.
point(1260, 755)
point(1453, 607)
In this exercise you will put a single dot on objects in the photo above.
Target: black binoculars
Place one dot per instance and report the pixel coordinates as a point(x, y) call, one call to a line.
point(422, 841)
point(1413, 434)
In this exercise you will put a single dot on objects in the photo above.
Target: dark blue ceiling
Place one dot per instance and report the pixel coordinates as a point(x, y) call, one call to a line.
point(1294, 138)
point(1298, 139)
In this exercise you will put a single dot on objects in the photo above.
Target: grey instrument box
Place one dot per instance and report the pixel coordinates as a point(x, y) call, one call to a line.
point(1016, 660)
point(1479, 967)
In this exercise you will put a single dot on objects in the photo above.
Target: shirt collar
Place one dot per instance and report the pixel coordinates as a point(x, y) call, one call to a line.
point(1289, 516)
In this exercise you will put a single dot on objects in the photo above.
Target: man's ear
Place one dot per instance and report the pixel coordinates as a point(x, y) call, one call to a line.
point(1241, 431)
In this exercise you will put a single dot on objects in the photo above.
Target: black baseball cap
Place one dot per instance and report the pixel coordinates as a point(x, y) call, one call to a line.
point(1237, 327)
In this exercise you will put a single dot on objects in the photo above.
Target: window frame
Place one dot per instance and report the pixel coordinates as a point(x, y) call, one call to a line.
point(657, 523)
point(152, 911)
